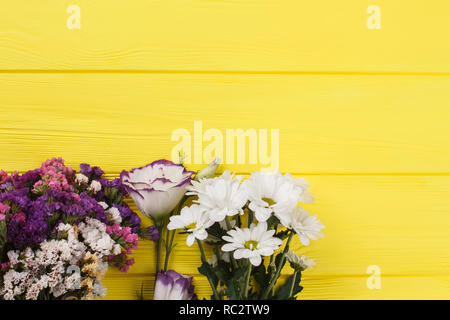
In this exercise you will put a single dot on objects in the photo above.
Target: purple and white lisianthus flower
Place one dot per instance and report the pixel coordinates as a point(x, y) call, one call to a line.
point(171, 285)
point(158, 187)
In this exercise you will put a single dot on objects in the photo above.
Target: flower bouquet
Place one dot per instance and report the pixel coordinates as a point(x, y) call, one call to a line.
point(244, 222)
point(60, 230)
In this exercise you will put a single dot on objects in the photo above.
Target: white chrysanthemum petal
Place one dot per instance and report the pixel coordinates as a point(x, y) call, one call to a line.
point(229, 247)
point(266, 251)
point(190, 240)
point(256, 260)
point(240, 253)
point(201, 234)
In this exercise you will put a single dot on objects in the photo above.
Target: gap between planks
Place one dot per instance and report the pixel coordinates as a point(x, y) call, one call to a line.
point(110, 175)
point(230, 72)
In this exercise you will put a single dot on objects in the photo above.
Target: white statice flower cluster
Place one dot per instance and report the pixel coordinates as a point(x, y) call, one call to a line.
point(112, 212)
point(81, 178)
point(95, 186)
point(266, 195)
point(95, 236)
point(61, 266)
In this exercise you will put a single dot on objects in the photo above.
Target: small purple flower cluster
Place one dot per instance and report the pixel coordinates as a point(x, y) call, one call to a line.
point(35, 204)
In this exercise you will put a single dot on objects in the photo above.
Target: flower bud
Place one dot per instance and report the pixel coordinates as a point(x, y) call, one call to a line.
point(149, 233)
point(209, 171)
point(172, 285)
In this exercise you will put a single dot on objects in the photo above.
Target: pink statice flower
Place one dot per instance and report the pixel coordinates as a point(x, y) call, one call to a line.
point(4, 208)
point(128, 240)
point(54, 176)
point(20, 217)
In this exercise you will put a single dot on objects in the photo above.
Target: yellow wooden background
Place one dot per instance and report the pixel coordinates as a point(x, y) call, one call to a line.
point(363, 114)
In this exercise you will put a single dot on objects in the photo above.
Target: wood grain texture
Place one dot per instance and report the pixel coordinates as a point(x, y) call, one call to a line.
point(315, 288)
point(327, 123)
point(362, 114)
point(226, 35)
point(399, 223)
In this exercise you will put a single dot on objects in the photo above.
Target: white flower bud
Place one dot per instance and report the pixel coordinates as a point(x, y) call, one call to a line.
point(209, 171)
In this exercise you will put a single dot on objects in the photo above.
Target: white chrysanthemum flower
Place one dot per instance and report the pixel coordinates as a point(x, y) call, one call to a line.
point(272, 193)
point(81, 178)
point(194, 220)
point(252, 243)
point(95, 186)
point(221, 196)
point(299, 262)
point(307, 227)
point(303, 186)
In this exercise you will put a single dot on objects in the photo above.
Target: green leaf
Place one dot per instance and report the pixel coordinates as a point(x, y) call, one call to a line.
point(216, 232)
point(206, 270)
point(261, 277)
point(272, 222)
point(282, 234)
point(232, 291)
point(222, 271)
point(278, 259)
point(284, 290)
point(236, 284)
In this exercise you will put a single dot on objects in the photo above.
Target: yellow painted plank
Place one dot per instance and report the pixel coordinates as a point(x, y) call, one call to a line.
point(314, 287)
point(355, 288)
point(129, 286)
point(327, 123)
point(247, 35)
point(399, 223)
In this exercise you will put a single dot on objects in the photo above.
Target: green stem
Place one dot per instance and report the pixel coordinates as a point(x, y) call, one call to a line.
point(227, 221)
point(294, 276)
point(250, 217)
point(166, 258)
point(233, 261)
point(202, 252)
point(214, 289)
point(158, 246)
point(279, 267)
point(169, 243)
point(171, 234)
point(247, 280)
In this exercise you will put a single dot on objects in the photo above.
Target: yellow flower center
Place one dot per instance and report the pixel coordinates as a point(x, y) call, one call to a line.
point(193, 225)
point(251, 244)
point(269, 201)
